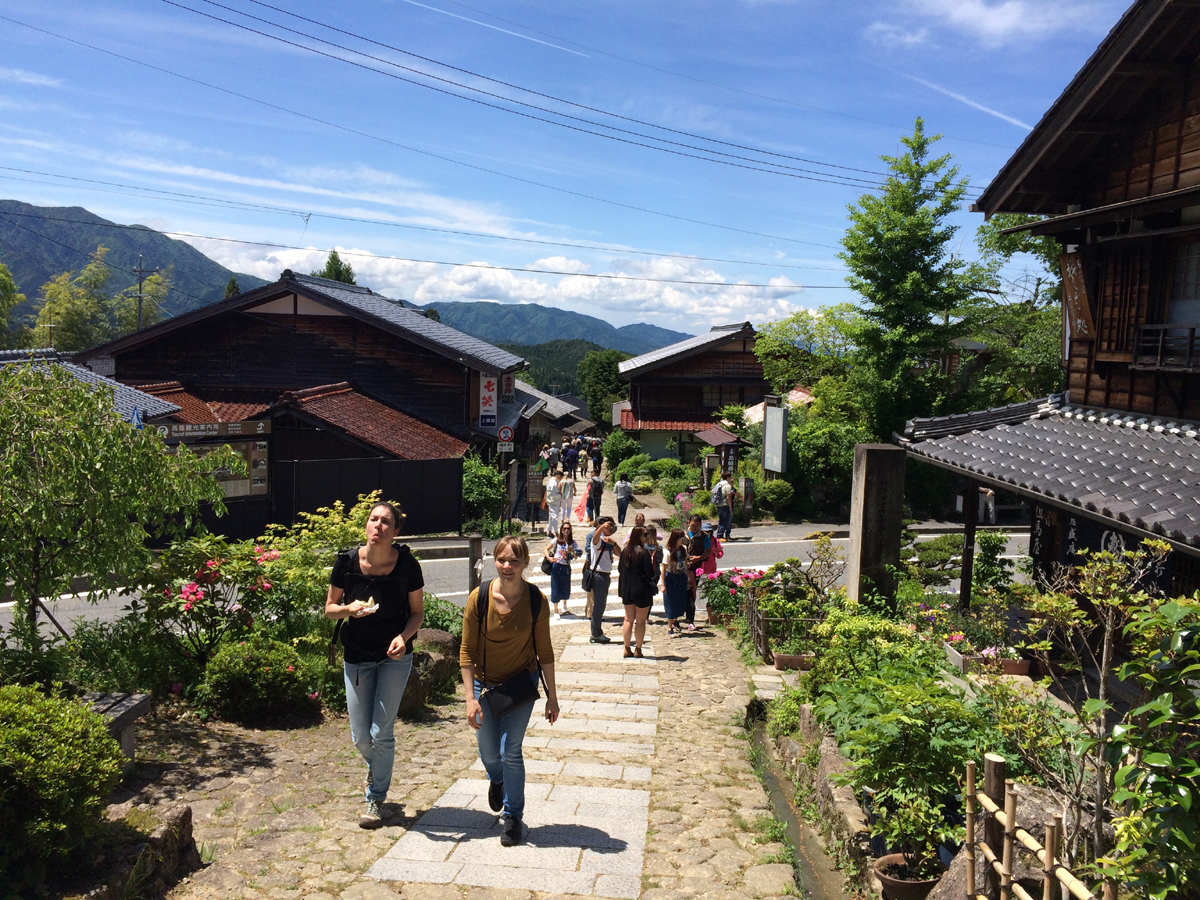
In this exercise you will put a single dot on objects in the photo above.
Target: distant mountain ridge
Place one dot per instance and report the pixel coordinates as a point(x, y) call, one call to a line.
point(528, 323)
point(60, 238)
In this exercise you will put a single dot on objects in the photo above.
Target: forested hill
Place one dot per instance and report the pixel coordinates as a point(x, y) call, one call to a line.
point(528, 323)
point(552, 365)
point(61, 238)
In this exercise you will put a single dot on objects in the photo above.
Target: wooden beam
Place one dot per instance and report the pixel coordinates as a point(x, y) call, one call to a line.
point(1101, 127)
point(1153, 68)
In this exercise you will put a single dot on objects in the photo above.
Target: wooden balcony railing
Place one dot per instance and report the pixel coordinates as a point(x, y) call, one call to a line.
point(1166, 348)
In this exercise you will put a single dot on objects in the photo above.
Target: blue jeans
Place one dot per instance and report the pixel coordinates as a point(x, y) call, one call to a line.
point(560, 583)
point(622, 505)
point(500, 750)
point(600, 584)
point(373, 692)
point(724, 521)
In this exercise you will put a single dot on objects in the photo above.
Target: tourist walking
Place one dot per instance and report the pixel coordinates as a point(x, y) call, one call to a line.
point(597, 457)
point(637, 587)
point(560, 552)
point(552, 456)
point(572, 460)
point(699, 536)
point(595, 494)
point(566, 488)
point(552, 501)
point(723, 497)
point(624, 493)
point(655, 548)
point(678, 580)
point(385, 589)
point(601, 550)
point(715, 553)
point(505, 648)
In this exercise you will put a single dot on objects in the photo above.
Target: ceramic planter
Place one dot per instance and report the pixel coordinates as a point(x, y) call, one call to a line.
point(803, 661)
point(901, 888)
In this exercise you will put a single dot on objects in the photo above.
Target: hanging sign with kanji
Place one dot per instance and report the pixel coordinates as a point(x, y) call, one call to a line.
point(487, 401)
point(508, 388)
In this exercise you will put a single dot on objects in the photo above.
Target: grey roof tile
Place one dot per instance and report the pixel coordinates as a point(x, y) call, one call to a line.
point(1145, 477)
point(655, 358)
point(125, 398)
point(555, 407)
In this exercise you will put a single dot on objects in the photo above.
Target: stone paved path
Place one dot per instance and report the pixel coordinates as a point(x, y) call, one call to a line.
point(643, 789)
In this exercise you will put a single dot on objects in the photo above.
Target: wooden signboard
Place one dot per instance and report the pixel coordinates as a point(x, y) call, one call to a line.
point(1075, 297)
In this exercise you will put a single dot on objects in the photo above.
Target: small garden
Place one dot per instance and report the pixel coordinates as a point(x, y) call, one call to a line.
point(1110, 736)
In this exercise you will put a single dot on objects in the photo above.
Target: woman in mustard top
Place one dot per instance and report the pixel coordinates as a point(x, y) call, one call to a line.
point(514, 640)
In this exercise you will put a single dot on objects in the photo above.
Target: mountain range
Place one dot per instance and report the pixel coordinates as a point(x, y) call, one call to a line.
point(38, 243)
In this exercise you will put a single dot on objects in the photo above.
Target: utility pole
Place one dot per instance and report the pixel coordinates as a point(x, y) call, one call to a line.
point(141, 274)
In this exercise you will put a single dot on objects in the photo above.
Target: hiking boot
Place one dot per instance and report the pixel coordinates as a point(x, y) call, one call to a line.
point(496, 795)
point(601, 639)
point(371, 816)
point(510, 832)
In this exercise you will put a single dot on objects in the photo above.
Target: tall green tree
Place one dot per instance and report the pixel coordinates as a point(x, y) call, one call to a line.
point(81, 490)
point(336, 270)
point(73, 311)
point(123, 308)
point(10, 298)
point(599, 381)
point(807, 346)
point(912, 287)
point(232, 289)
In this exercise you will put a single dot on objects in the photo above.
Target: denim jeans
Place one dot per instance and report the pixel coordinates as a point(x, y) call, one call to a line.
point(560, 583)
point(600, 583)
point(724, 521)
point(373, 692)
point(500, 750)
point(622, 505)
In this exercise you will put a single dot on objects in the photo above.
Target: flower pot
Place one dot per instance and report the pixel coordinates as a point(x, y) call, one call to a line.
point(1015, 666)
point(1050, 668)
point(958, 661)
point(802, 661)
point(901, 888)
point(719, 618)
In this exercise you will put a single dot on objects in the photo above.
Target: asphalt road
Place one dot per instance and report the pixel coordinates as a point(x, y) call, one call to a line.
point(448, 578)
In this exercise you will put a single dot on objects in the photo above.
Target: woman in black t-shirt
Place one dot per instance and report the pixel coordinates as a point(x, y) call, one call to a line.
point(384, 588)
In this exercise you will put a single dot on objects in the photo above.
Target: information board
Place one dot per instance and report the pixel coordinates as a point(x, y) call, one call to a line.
point(775, 426)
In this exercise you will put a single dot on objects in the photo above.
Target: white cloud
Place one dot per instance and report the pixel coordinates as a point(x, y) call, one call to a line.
point(25, 77)
point(888, 35)
point(560, 264)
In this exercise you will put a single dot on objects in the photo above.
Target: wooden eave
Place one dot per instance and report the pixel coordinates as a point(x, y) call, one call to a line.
point(1155, 42)
point(1111, 214)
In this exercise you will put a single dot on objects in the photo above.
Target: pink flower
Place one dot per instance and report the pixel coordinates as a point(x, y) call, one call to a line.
point(212, 564)
point(187, 607)
point(732, 592)
point(291, 668)
point(266, 585)
point(177, 688)
point(314, 695)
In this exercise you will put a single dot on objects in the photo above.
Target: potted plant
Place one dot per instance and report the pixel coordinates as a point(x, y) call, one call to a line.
point(793, 651)
point(1007, 658)
point(959, 652)
point(914, 827)
point(720, 597)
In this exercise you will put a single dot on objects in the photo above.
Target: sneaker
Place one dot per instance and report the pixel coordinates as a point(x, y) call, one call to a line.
point(670, 632)
point(602, 639)
point(371, 816)
point(691, 626)
point(496, 795)
point(557, 616)
point(510, 832)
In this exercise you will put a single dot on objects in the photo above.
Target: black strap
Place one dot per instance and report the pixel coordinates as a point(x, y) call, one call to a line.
point(536, 601)
point(401, 551)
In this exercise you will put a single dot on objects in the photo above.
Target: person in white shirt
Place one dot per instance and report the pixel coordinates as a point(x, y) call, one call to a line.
point(724, 493)
point(566, 488)
point(601, 550)
point(553, 501)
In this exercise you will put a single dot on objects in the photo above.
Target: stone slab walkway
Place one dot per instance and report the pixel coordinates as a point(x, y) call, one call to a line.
point(643, 789)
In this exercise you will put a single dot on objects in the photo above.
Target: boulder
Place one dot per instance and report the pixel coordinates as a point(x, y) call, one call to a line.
point(442, 642)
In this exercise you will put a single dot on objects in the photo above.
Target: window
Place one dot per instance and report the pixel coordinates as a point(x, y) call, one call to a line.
point(716, 396)
point(1185, 288)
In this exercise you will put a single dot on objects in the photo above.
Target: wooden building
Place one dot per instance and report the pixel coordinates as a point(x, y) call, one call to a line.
point(333, 390)
point(675, 391)
point(1114, 167)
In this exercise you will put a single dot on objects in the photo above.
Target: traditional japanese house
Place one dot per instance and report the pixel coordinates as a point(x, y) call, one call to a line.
point(331, 390)
point(674, 392)
point(1113, 172)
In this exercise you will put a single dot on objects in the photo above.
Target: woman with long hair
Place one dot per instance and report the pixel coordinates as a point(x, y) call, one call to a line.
point(677, 580)
point(636, 584)
point(506, 638)
point(385, 588)
point(560, 551)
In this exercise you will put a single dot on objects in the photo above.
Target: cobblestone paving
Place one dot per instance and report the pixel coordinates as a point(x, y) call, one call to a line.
point(651, 795)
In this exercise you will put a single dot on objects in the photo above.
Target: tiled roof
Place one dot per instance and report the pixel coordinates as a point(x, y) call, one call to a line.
point(579, 426)
point(719, 335)
point(555, 407)
point(221, 404)
point(797, 396)
point(716, 436)
point(1133, 470)
point(125, 398)
point(373, 423)
point(630, 422)
point(479, 354)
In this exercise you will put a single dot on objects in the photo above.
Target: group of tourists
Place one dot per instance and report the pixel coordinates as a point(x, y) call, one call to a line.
point(376, 596)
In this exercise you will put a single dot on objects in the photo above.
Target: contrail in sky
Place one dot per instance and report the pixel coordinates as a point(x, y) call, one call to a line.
point(961, 99)
point(495, 28)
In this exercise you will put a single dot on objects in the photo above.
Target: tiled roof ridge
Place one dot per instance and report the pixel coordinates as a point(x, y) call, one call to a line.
point(340, 285)
point(46, 353)
point(1159, 425)
point(316, 393)
point(921, 429)
point(160, 387)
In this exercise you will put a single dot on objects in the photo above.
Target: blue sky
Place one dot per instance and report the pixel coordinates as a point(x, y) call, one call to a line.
point(833, 84)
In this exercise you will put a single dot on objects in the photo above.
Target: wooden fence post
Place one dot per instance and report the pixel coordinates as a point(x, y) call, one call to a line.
point(475, 560)
point(1010, 838)
point(1049, 885)
point(993, 787)
point(969, 846)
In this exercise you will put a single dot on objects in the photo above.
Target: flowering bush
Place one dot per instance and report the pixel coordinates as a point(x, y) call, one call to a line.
point(983, 626)
point(726, 592)
point(256, 681)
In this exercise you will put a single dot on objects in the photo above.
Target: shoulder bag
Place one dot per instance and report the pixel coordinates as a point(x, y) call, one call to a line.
point(519, 689)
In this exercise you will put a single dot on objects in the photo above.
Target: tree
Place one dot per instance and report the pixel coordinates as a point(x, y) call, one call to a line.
point(433, 314)
point(73, 311)
point(81, 490)
point(912, 287)
point(336, 270)
point(10, 299)
point(232, 289)
point(807, 345)
point(599, 381)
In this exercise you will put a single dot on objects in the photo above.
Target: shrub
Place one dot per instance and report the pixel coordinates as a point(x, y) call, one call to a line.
point(483, 489)
point(58, 765)
point(776, 494)
point(124, 656)
point(256, 680)
point(854, 644)
point(783, 715)
point(666, 468)
point(443, 615)
point(618, 447)
point(630, 466)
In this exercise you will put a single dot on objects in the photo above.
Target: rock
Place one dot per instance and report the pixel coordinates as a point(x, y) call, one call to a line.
point(419, 891)
point(430, 670)
point(369, 890)
point(769, 880)
point(493, 893)
point(442, 641)
point(953, 885)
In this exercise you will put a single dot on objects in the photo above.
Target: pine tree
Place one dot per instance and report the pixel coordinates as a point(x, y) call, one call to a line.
point(336, 270)
point(232, 289)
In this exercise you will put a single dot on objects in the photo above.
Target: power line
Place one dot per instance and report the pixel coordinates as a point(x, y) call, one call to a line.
point(787, 171)
point(434, 262)
point(390, 142)
point(241, 204)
